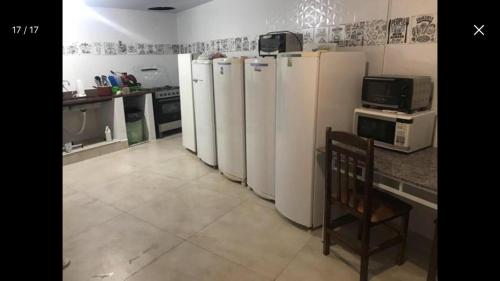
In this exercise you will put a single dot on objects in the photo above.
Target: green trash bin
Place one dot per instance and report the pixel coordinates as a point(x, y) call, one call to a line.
point(135, 128)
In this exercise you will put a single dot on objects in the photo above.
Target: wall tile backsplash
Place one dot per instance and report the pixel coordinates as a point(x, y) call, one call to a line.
point(404, 30)
point(423, 29)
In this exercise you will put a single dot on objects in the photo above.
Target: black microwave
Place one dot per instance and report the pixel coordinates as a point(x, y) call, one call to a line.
point(396, 92)
point(273, 43)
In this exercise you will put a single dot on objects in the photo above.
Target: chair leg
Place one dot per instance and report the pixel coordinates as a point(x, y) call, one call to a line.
point(404, 232)
point(363, 274)
point(432, 273)
point(326, 226)
point(326, 242)
point(360, 229)
point(365, 248)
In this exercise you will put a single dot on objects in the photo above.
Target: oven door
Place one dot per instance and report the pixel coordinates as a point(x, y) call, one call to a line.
point(381, 92)
point(167, 110)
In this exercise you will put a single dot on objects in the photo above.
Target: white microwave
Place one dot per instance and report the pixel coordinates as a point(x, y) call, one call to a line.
point(396, 130)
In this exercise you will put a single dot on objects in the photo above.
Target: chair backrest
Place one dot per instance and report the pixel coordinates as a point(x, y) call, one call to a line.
point(346, 152)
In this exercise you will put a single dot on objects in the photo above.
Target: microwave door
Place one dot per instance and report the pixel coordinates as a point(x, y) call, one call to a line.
point(380, 92)
point(382, 130)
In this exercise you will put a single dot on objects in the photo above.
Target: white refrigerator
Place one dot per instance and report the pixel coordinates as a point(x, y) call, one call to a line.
point(204, 111)
point(314, 90)
point(260, 111)
point(230, 121)
point(187, 104)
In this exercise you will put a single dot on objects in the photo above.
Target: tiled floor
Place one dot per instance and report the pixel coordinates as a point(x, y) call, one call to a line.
point(155, 212)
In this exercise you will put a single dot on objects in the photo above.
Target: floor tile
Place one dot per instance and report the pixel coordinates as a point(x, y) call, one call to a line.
point(132, 190)
point(81, 212)
point(219, 183)
point(188, 262)
point(343, 264)
point(68, 191)
point(117, 248)
point(311, 264)
point(185, 167)
point(255, 237)
point(185, 211)
point(88, 173)
point(125, 213)
point(261, 201)
point(154, 153)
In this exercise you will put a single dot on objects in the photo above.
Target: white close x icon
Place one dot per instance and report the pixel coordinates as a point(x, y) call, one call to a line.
point(478, 30)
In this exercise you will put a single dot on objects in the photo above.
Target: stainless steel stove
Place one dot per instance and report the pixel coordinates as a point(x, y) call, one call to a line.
point(167, 109)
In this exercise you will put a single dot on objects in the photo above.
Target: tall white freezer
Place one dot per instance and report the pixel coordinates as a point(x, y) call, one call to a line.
point(314, 90)
point(229, 95)
point(204, 111)
point(260, 111)
point(184, 62)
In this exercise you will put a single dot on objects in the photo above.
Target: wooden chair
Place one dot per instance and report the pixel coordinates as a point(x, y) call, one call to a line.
point(362, 203)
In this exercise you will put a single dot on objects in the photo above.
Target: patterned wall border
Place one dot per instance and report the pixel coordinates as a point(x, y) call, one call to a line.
point(119, 48)
point(404, 30)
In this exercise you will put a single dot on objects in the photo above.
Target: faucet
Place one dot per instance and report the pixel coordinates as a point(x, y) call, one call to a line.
point(64, 88)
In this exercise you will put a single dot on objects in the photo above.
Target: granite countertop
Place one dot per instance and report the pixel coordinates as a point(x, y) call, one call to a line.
point(418, 168)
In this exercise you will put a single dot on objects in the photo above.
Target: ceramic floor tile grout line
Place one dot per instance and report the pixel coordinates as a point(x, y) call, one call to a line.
point(216, 219)
point(153, 225)
point(154, 260)
point(209, 250)
point(120, 212)
point(294, 256)
point(231, 261)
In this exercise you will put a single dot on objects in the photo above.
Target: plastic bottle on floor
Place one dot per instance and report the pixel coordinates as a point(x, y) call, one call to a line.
point(107, 132)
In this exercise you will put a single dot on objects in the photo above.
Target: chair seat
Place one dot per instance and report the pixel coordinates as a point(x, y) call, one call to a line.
point(384, 206)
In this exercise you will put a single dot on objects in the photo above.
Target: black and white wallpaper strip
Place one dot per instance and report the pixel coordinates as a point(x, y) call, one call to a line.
point(404, 30)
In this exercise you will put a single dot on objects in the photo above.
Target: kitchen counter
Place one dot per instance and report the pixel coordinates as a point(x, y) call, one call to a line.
point(68, 100)
point(85, 100)
point(418, 168)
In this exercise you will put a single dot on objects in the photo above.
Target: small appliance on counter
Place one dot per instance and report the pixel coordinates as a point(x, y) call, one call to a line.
point(397, 92)
point(273, 43)
point(395, 130)
point(80, 90)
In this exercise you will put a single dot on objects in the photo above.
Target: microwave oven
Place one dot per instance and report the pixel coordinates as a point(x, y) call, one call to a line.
point(395, 130)
point(273, 43)
point(396, 92)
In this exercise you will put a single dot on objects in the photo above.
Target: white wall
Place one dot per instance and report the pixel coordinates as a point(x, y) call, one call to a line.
point(230, 18)
point(85, 24)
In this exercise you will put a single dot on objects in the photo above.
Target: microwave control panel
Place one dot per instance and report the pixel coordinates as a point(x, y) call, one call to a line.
point(402, 134)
